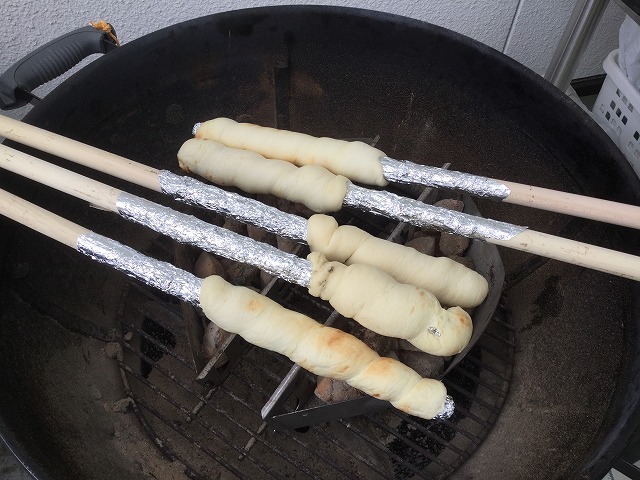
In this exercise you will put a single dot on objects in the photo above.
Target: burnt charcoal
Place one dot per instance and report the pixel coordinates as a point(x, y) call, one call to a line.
point(376, 342)
point(424, 244)
point(426, 365)
point(242, 274)
point(450, 204)
point(207, 265)
point(235, 226)
point(261, 235)
point(452, 244)
point(330, 390)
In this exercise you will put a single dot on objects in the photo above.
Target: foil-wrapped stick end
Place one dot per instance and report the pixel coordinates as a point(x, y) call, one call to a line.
point(447, 410)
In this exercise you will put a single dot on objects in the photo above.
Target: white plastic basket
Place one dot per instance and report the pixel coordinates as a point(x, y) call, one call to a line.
point(617, 110)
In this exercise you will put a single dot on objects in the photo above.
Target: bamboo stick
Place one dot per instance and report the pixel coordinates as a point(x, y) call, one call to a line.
point(179, 226)
point(574, 252)
point(40, 220)
point(573, 204)
point(121, 167)
point(182, 188)
point(80, 153)
point(96, 193)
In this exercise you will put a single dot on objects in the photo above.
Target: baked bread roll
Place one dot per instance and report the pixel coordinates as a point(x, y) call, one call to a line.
point(451, 282)
point(355, 160)
point(312, 185)
point(376, 301)
point(325, 351)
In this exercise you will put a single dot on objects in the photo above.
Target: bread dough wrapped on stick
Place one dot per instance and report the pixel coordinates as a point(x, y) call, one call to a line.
point(451, 282)
point(314, 186)
point(322, 350)
point(390, 308)
point(356, 160)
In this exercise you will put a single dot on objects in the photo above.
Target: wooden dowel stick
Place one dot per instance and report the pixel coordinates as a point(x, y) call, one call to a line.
point(41, 220)
point(572, 204)
point(574, 252)
point(92, 191)
point(80, 153)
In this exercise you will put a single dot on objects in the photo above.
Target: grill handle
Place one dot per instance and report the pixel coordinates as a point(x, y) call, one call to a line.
point(50, 61)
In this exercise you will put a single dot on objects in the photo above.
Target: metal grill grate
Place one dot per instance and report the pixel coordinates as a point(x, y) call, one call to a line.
point(215, 429)
point(211, 428)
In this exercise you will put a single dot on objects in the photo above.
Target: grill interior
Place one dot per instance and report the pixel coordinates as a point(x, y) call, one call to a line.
point(216, 426)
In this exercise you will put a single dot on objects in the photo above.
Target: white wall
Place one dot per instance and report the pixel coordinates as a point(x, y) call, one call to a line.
point(527, 30)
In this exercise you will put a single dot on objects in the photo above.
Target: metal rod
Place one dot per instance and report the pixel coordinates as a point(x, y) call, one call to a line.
point(224, 438)
point(309, 445)
point(412, 444)
point(146, 426)
point(188, 437)
point(296, 438)
point(152, 309)
point(429, 433)
point(468, 394)
point(156, 343)
point(488, 368)
point(578, 32)
point(385, 450)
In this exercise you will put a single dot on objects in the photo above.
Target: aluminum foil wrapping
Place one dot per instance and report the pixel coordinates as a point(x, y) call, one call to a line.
point(211, 238)
point(245, 210)
point(447, 410)
point(161, 275)
point(402, 171)
point(423, 215)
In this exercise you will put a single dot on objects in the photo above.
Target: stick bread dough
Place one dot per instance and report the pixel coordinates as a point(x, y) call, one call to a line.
point(325, 351)
point(451, 282)
point(355, 160)
point(378, 302)
point(312, 185)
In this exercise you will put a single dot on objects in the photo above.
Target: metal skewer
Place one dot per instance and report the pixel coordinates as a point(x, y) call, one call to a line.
point(347, 158)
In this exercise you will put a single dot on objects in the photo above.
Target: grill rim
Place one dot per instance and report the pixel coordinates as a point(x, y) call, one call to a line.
point(617, 443)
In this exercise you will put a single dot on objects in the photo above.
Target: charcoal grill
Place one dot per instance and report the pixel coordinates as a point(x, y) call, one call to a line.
point(550, 389)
